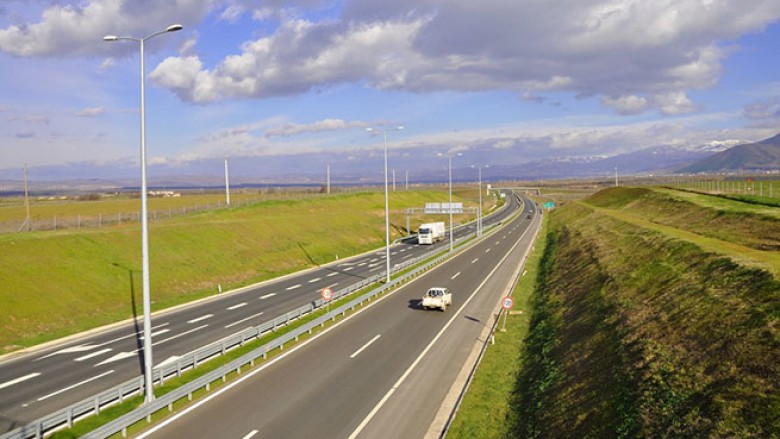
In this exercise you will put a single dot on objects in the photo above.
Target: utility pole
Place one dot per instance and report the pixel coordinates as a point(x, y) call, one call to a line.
point(26, 201)
point(227, 185)
point(328, 179)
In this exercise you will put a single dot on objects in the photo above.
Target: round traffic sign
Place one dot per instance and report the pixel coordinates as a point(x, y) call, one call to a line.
point(507, 302)
point(327, 294)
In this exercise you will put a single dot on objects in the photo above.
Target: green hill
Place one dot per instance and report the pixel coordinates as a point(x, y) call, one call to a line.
point(636, 333)
point(759, 156)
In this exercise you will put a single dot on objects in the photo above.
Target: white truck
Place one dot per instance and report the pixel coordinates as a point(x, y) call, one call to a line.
point(437, 297)
point(429, 233)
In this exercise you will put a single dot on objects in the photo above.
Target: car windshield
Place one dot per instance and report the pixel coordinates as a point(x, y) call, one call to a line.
point(425, 231)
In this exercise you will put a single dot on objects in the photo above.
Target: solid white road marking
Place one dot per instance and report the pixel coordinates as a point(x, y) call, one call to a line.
point(201, 318)
point(70, 350)
point(357, 352)
point(18, 380)
point(117, 357)
point(243, 320)
point(414, 364)
point(75, 385)
point(267, 296)
point(93, 354)
point(250, 435)
point(154, 334)
point(132, 335)
point(180, 335)
point(168, 361)
point(240, 305)
point(456, 275)
point(315, 280)
point(293, 287)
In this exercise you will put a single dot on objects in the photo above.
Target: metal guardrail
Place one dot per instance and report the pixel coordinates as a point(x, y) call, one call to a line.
point(67, 416)
point(93, 405)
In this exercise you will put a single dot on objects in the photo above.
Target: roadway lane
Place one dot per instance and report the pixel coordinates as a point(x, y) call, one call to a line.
point(46, 380)
point(382, 373)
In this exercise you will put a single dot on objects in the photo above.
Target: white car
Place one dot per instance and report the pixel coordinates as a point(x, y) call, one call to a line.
point(437, 297)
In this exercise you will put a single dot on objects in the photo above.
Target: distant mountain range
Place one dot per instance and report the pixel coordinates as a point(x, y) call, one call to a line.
point(761, 156)
point(421, 165)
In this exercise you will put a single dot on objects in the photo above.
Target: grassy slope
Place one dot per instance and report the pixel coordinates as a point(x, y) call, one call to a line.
point(57, 283)
point(731, 220)
point(638, 334)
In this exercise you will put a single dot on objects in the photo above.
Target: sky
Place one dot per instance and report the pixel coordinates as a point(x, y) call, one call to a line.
point(283, 87)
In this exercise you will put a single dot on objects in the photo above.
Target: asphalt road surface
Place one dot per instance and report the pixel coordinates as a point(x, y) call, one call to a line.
point(39, 382)
point(383, 372)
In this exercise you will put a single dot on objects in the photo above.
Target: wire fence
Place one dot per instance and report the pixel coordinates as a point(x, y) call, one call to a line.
point(62, 221)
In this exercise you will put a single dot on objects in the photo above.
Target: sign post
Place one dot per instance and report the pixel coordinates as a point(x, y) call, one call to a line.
point(506, 303)
point(326, 294)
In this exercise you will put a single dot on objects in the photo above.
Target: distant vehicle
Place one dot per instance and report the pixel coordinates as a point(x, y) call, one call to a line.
point(437, 297)
point(529, 215)
point(429, 233)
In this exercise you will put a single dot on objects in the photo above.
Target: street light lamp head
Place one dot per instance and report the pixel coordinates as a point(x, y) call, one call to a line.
point(110, 38)
point(174, 28)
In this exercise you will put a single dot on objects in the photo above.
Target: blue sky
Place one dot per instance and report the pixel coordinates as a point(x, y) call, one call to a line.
point(285, 87)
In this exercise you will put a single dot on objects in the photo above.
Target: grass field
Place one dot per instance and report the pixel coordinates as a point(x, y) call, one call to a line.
point(59, 283)
point(644, 324)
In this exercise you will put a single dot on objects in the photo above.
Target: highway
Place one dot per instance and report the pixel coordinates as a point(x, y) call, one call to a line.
point(44, 380)
point(383, 372)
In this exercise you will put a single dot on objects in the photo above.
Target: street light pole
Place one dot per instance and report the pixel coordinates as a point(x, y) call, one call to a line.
point(479, 209)
point(387, 200)
point(149, 388)
point(227, 185)
point(449, 171)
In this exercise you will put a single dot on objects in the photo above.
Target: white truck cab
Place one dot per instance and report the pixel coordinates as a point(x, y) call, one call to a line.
point(437, 297)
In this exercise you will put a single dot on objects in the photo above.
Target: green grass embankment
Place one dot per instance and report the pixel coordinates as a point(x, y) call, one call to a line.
point(728, 220)
point(58, 283)
point(637, 334)
point(637, 329)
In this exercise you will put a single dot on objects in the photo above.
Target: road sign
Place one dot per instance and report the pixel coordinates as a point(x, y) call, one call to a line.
point(549, 204)
point(507, 302)
point(327, 294)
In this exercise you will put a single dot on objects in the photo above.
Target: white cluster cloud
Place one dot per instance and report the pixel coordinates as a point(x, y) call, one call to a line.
point(316, 127)
point(90, 112)
point(636, 55)
point(66, 30)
